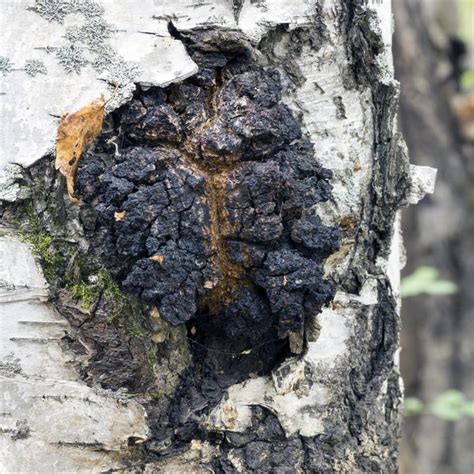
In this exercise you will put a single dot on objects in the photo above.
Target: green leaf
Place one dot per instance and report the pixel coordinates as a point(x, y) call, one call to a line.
point(451, 405)
point(467, 81)
point(413, 406)
point(424, 281)
point(448, 405)
point(441, 287)
point(468, 409)
point(415, 283)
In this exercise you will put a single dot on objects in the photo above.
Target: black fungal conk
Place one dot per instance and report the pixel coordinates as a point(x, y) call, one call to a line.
point(200, 198)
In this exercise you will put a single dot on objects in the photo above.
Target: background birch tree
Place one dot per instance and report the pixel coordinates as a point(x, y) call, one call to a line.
point(435, 118)
point(218, 279)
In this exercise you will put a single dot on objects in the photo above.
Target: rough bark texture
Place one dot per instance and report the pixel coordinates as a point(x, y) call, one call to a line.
point(232, 266)
point(438, 331)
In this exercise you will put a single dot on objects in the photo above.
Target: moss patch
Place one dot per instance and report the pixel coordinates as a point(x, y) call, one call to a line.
point(52, 253)
point(98, 285)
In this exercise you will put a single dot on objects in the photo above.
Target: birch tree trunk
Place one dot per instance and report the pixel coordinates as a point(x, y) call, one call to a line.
point(221, 293)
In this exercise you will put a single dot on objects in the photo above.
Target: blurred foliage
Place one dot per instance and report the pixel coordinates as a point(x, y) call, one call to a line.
point(451, 405)
point(466, 32)
point(466, 21)
point(467, 80)
point(424, 280)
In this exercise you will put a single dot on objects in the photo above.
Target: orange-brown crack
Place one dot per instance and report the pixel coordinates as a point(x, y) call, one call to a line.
point(231, 274)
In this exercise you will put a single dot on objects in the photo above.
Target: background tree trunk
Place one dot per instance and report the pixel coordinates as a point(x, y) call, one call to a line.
point(312, 387)
point(438, 330)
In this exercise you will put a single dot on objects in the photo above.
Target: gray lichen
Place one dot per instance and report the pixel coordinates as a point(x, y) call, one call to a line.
point(95, 31)
point(21, 430)
point(90, 9)
point(86, 43)
point(74, 34)
point(5, 65)
point(34, 67)
point(53, 10)
point(71, 58)
point(57, 10)
point(119, 71)
point(10, 366)
point(104, 57)
point(92, 33)
point(122, 72)
point(121, 76)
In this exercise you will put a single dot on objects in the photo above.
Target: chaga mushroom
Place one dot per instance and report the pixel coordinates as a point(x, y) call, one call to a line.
point(207, 207)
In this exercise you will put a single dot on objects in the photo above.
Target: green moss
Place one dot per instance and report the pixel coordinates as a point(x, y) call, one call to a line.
point(156, 397)
point(52, 253)
point(86, 293)
point(102, 285)
point(134, 329)
point(151, 356)
point(110, 288)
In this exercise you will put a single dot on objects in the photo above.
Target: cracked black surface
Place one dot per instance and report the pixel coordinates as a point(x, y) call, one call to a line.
point(263, 447)
point(201, 197)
